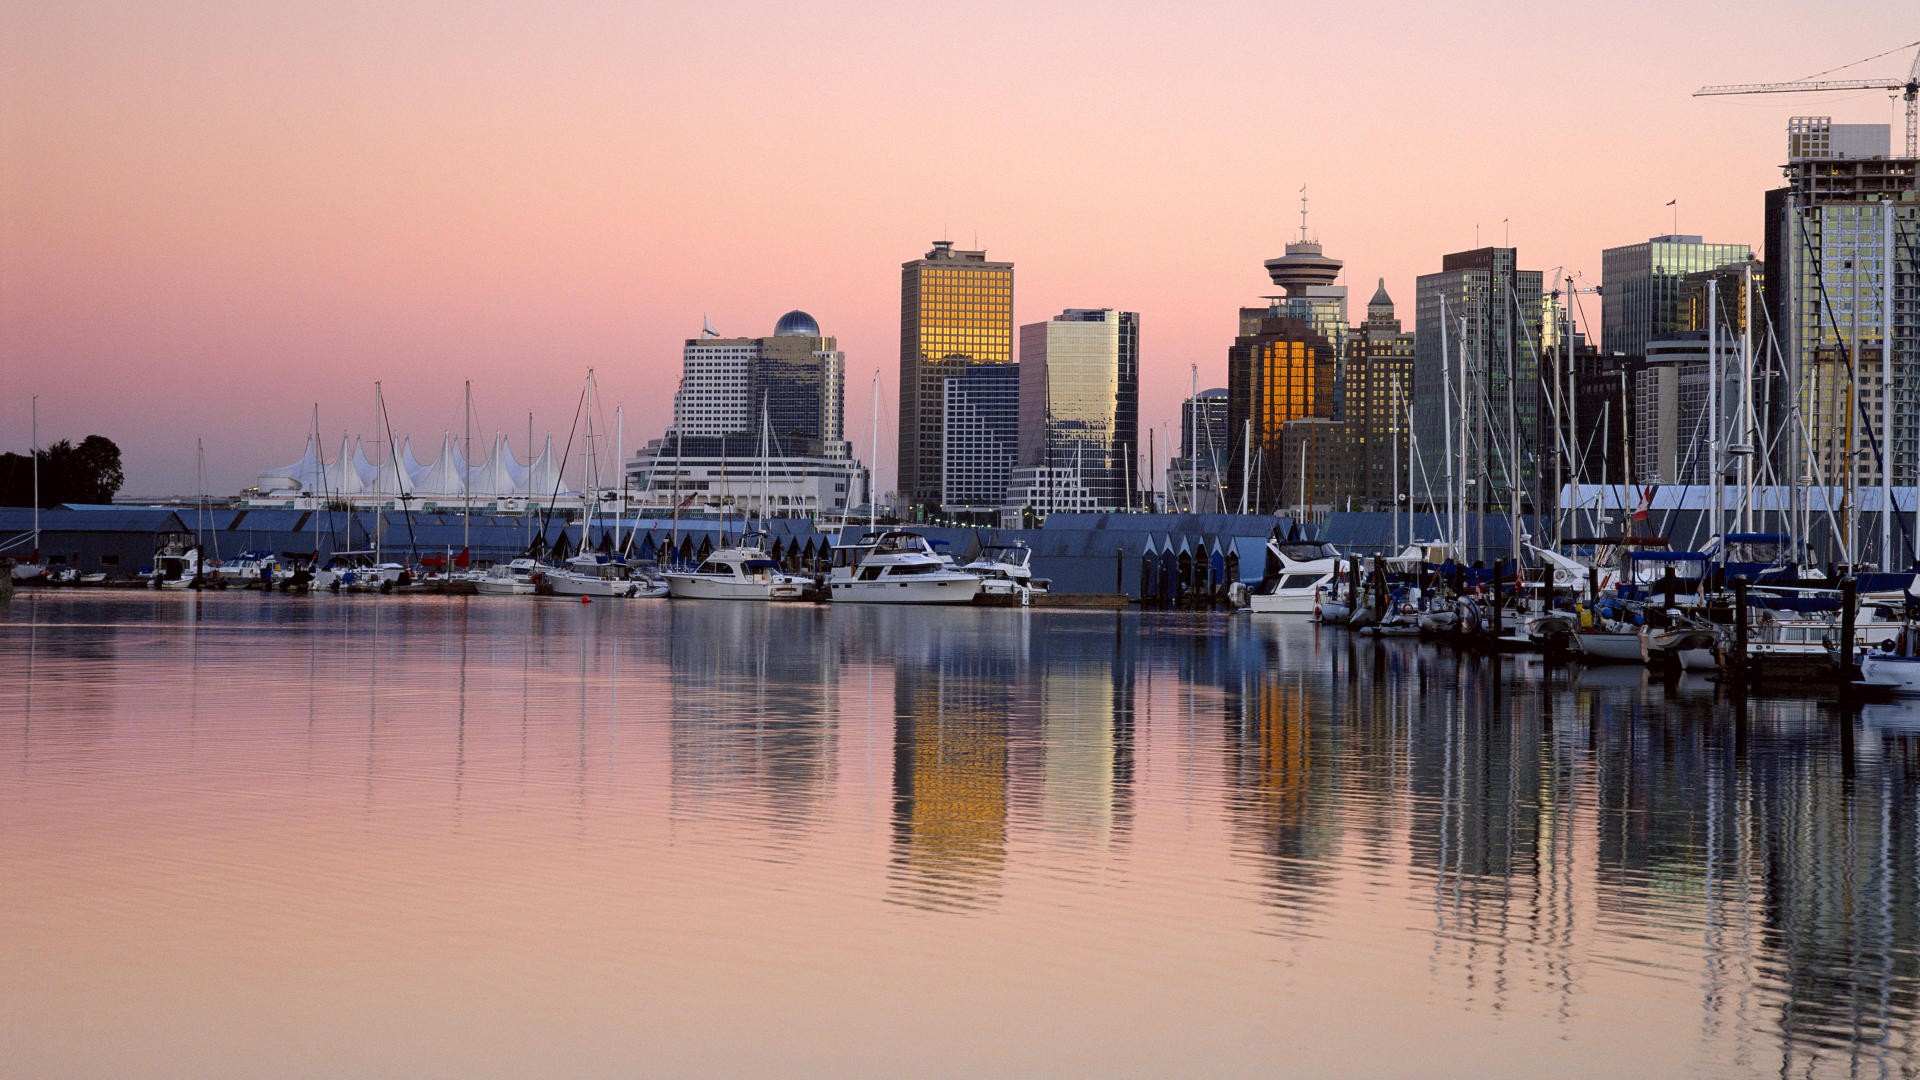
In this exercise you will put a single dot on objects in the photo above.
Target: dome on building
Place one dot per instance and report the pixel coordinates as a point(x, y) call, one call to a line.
point(796, 324)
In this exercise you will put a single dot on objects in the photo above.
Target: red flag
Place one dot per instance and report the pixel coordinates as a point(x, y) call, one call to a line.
point(460, 560)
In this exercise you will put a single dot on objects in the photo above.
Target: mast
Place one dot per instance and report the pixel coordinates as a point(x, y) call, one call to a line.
point(1246, 463)
point(1886, 387)
point(1714, 479)
point(1446, 429)
point(620, 462)
point(1393, 469)
point(1193, 438)
point(36, 478)
point(466, 477)
point(873, 507)
point(1744, 446)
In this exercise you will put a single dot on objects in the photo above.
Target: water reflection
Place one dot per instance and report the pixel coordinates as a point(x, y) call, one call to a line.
point(1736, 881)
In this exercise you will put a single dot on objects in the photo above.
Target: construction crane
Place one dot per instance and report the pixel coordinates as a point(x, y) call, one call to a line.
point(1910, 86)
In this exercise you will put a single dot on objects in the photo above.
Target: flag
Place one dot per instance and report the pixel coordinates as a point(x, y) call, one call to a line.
point(1672, 202)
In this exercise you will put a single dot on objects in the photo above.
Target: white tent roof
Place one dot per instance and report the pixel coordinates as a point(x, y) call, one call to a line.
point(443, 478)
point(501, 475)
point(543, 477)
point(341, 477)
point(303, 475)
point(415, 470)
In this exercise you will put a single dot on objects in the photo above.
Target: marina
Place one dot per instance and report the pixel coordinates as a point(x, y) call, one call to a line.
point(1135, 837)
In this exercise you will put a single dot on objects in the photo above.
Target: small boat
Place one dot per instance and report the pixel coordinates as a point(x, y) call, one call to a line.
point(361, 571)
point(899, 566)
point(177, 568)
point(520, 577)
point(593, 574)
point(1304, 569)
point(743, 572)
point(1006, 570)
point(1894, 665)
point(1609, 634)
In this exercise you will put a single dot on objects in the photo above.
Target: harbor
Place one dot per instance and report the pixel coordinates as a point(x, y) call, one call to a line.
point(413, 824)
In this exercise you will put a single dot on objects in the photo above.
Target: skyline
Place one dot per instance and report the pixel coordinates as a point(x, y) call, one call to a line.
point(217, 215)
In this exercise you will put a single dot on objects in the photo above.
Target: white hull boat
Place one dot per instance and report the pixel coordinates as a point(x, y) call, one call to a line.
point(602, 576)
point(1612, 646)
point(1305, 571)
point(735, 573)
point(901, 567)
point(521, 577)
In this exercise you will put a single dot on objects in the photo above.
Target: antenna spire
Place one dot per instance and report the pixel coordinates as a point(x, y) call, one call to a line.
point(1303, 213)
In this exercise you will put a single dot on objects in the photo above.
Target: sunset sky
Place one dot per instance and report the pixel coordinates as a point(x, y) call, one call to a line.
point(214, 216)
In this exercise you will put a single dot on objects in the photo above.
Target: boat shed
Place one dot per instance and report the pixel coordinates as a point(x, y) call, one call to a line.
point(118, 541)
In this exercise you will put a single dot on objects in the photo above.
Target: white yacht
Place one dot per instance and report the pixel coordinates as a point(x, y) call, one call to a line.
point(592, 574)
point(521, 577)
point(1007, 570)
point(745, 572)
point(1305, 569)
point(900, 567)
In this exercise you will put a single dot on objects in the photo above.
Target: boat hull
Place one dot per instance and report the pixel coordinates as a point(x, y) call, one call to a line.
point(957, 590)
point(702, 587)
point(1901, 674)
point(1612, 648)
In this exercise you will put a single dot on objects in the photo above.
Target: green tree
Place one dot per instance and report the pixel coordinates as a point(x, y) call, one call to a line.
point(87, 473)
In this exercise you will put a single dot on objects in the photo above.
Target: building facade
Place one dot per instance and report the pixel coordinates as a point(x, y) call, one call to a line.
point(1285, 365)
point(981, 440)
point(1476, 364)
point(758, 429)
point(1079, 412)
point(1641, 287)
point(1377, 395)
point(1198, 470)
point(956, 309)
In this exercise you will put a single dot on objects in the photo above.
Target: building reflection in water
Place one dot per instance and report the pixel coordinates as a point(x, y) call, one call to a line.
point(955, 687)
point(755, 702)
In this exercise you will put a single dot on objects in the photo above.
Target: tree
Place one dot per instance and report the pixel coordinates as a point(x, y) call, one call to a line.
point(88, 473)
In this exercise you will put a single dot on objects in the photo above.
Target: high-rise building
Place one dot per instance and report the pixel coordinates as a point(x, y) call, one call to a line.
point(956, 309)
point(1198, 466)
point(1483, 315)
point(1843, 291)
point(758, 427)
point(982, 440)
point(1079, 412)
point(1285, 365)
point(1640, 287)
point(1379, 391)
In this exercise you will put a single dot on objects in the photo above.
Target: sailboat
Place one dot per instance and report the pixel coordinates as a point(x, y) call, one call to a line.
point(589, 573)
point(33, 569)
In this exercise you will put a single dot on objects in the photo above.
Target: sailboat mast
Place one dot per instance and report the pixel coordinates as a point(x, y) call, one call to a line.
point(1886, 388)
point(1713, 411)
point(873, 507)
point(466, 477)
point(1193, 439)
point(1747, 433)
point(36, 477)
point(1446, 430)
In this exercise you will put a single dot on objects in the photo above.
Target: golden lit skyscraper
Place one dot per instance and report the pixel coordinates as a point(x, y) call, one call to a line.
point(956, 309)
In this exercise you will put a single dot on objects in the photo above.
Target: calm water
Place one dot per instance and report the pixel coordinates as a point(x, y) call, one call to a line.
point(246, 836)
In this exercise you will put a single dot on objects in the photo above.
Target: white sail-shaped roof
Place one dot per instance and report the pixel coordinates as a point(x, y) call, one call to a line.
point(543, 476)
point(445, 477)
point(369, 472)
point(392, 478)
point(302, 475)
point(340, 477)
point(501, 476)
point(414, 469)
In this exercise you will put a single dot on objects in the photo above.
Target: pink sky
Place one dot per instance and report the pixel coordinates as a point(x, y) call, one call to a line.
point(215, 215)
